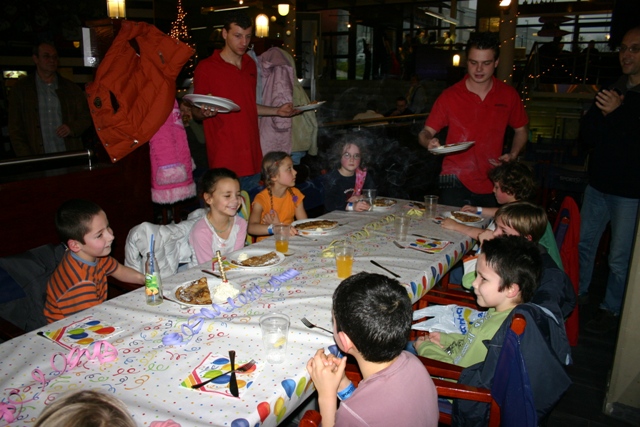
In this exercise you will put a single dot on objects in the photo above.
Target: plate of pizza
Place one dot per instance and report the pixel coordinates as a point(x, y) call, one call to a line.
point(383, 204)
point(205, 291)
point(253, 258)
point(465, 218)
point(315, 227)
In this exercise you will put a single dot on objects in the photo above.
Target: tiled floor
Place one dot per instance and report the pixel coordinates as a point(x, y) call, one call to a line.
point(582, 405)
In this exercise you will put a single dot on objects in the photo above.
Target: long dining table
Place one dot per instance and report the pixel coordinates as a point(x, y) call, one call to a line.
point(148, 356)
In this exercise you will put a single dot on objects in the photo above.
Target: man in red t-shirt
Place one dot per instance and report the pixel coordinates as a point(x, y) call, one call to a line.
point(233, 139)
point(479, 108)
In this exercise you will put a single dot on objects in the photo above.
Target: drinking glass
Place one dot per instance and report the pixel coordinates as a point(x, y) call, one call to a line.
point(281, 232)
point(369, 196)
point(344, 259)
point(431, 206)
point(402, 227)
point(275, 335)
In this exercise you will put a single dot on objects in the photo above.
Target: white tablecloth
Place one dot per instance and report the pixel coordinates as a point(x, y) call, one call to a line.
point(147, 374)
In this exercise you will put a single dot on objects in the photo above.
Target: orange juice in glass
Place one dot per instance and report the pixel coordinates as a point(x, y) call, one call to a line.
point(343, 253)
point(282, 246)
point(281, 233)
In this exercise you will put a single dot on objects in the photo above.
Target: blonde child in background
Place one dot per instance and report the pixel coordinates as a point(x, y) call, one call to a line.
point(280, 202)
point(86, 408)
point(92, 408)
point(343, 185)
point(221, 228)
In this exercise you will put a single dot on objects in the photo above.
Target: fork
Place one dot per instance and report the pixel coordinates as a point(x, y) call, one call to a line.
point(311, 325)
point(398, 245)
point(250, 364)
point(410, 247)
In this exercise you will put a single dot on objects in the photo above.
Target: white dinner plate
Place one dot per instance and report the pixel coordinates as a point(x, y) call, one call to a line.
point(309, 106)
point(389, 204)
point(477, 220)
point(212, 283)
point(452, 148)
point(314, 232)
point(223, 105)
point(251, 252)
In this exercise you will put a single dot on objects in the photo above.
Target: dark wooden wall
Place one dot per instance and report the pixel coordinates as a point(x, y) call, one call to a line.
point(28, 204)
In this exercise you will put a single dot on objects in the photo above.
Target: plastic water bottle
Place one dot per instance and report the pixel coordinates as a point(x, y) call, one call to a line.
point(152, 282)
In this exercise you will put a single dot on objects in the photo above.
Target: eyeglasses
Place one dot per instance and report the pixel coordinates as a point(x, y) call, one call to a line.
point(632, 49)
point(349, 155)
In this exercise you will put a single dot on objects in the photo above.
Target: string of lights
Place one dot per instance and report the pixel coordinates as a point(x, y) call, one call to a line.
point(180, 31)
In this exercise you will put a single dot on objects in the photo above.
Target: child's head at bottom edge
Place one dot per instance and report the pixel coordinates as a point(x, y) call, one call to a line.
point(374, 311)
point(86, 408)
point(508, 272)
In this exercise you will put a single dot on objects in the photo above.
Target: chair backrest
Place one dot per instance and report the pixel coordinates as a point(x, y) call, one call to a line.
point(171, 245)
point(311, 418)
point(23, 286)
point(245, 212)
point(567, 232)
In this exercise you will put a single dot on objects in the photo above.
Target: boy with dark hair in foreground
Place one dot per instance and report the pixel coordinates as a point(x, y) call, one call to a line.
point(372, 321)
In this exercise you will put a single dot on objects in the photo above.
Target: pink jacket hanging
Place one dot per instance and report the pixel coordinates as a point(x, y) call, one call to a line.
point(277, 89)
point(171, 164)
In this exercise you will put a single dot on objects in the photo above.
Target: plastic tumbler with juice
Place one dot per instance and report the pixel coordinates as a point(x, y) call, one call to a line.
point(344, 259)
point(281, 233)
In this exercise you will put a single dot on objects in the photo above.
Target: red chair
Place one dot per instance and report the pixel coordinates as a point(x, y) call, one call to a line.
point(448, 293)
point(310, 418)
point(567, 232)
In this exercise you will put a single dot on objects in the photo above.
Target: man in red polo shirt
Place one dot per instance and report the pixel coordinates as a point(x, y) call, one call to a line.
point(479, 108)
point(233, 139)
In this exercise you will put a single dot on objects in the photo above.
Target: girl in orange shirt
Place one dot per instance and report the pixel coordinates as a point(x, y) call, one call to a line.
point(280, 202)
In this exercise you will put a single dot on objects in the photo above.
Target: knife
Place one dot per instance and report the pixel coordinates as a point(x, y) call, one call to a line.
point(233, 383)
point(384, 268)
point(306, 237)
point(212, 273)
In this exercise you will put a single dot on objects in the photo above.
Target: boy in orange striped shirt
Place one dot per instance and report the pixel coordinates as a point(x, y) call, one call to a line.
point(80, 280)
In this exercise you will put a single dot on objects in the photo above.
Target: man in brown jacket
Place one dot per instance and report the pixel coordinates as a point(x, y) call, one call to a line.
point(47, 113)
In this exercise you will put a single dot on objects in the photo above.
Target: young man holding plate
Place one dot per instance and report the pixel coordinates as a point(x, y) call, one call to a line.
point(478, 108)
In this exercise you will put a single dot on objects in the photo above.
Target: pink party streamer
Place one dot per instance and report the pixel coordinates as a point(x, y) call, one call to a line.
point(102, 351)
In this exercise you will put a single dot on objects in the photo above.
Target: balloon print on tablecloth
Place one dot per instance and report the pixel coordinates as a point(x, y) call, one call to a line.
point(434, 273)
point(240, 422)
point(289, 386)
point(301, 386)
point(264, 409)
point(279, 409)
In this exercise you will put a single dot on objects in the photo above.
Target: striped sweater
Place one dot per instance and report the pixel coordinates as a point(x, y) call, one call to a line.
point(76, 285)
